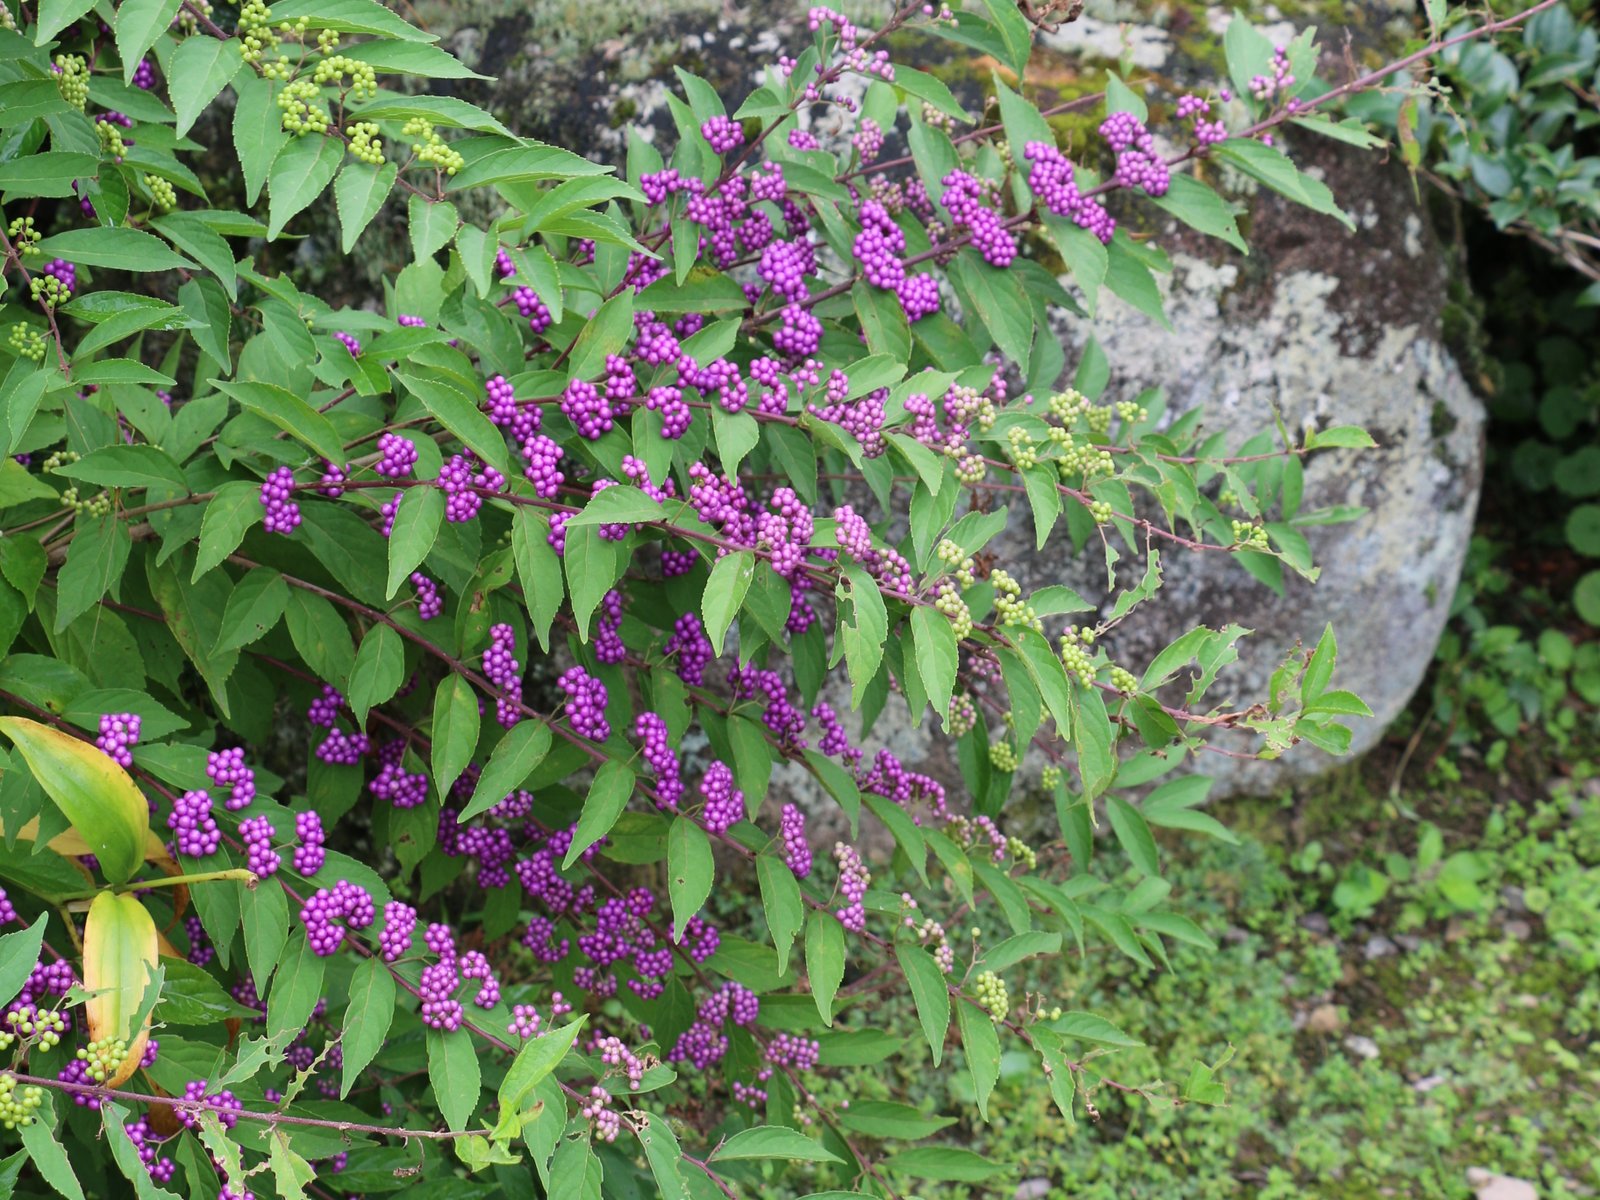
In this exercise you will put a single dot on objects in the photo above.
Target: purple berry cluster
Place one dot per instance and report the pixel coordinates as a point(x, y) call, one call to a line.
point(119, 732)
point(586, 703)
point(261, 858)
point(226, 769)
point(321, 915)
point(796, 849)
point(399, 925)
point(429, 602)
point(724, 134)
point(651, 730)
point(283, 514)
point(397, 456)
point(309, 855)
point(1051, 179)
point(195, 831)
point(1139, 163)
point(724, 802)
point(501, 668)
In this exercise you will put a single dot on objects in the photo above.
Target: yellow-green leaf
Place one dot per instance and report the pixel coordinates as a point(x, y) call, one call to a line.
point(119, 952)
point(94, 793)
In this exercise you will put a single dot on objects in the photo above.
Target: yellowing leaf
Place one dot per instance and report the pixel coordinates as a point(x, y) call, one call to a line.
point(119, 952)
point(94, 793)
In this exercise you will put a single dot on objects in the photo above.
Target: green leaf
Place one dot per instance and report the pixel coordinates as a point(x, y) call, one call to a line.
point(940, 1163)
point(95, 561)
point(117, 249)
point(416, 528)
point(91, 790)
point(604, 333)
point(1198, 207)
point(772, 1141)
point(409, 58)
point(229, 515)
point(538, 1057)
point(690, 871)
point(1349, 437)
point(56, 15)
point(477, 250)
point(883, 1119)
point(254, 607)
point(19, 954)
point(50, 173)
point(1015, 33)
point(379, 670)
point(366, 1019)
point(1001, 305)
point(298, 176)
point(724, 593)
point(609, 793)
point(455, 730)
point(662, 1152)
point(200, 68)
point(350, 16)
point(1268, 165)
point(782, 904)
point(289, 413)
point(49, 1158)
point(359, 193)
point(462, 417)
point(126, 466)
point(528, 163)
point(456, 1075)
point(296, 988)
point(538, 570)
point(139, 23)
point(432, 225)
point(1087, 1027)
point(265, 915)
point(1130, 278)
point(982, 1046)
point(866, 631)
point(1134, 835)
point(824, 960)
point(930, 88)
point(930, 990)
point(258, 134)
point(516, 757)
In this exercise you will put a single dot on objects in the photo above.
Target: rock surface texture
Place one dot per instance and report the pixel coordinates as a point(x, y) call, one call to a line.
point(1317, 326)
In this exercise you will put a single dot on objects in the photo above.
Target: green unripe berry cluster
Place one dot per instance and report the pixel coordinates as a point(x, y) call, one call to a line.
point(1022, 451)
point(963, 715)
point(1003, 757)
point(1124, 680)
point(1250, 535)
point(28, 343)
point(992, 994)
point(102, 1058)
point(23, 235)
point(1008, 602)
point(44, 1026)
point(953, 606)
point(1075, 655)
point(431, 148)
point(1102, 511)
point(111, 140)
point(49, 291)
point(72, 77)
point(952, 556)
point(1050, 777)
point(302, 111)
point(1022, 853)
point(255, 33)
point(17, 1107)
point(162, 194)
point(365, 145)
point(331, 72)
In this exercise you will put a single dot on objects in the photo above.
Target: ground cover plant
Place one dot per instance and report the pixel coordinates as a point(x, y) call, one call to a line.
point(394, 697)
